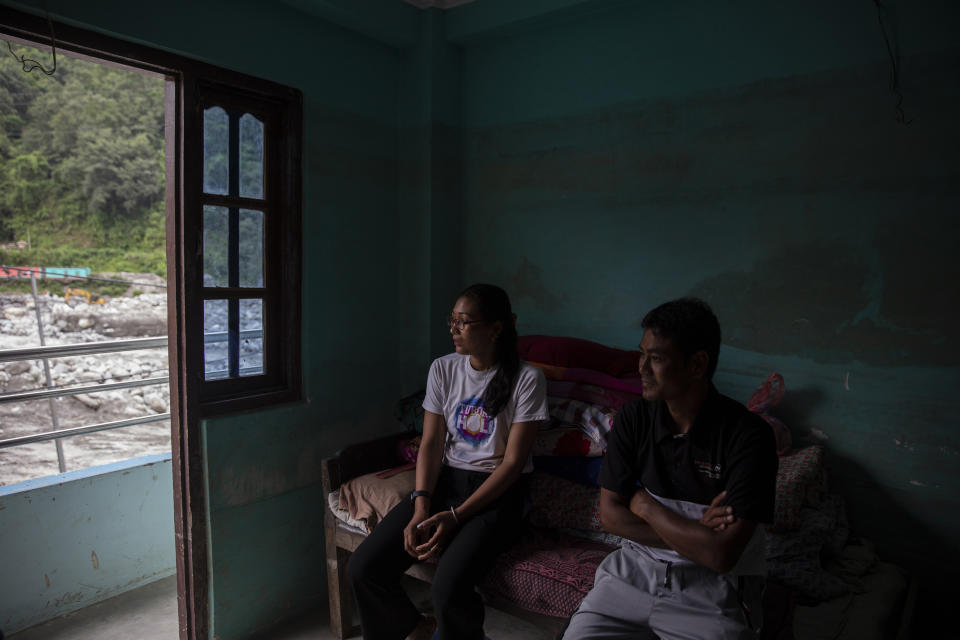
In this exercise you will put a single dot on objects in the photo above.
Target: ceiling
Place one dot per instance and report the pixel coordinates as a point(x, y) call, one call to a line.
point(438, 4)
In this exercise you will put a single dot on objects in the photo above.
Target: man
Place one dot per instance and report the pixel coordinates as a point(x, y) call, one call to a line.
point(688, 477)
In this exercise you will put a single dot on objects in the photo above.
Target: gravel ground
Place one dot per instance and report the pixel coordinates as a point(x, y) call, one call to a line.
point(72, 322)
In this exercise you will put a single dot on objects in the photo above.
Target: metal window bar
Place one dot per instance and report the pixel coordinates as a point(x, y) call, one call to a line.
point(76, 431)
point(112, 346)
point(61, 458)
point(84, 348)
point(87, 348)
point(73, 391)
point(233, 246)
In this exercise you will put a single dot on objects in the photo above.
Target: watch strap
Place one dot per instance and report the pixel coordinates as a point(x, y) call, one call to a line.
point(416, 494)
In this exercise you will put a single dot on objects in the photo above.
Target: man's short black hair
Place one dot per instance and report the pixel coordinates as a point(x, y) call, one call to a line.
point(692, 326)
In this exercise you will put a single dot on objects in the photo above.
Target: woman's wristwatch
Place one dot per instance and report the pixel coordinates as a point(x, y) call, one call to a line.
point(416, 494)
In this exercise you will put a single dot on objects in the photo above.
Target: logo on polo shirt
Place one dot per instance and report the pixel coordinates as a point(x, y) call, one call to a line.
point(708, 469)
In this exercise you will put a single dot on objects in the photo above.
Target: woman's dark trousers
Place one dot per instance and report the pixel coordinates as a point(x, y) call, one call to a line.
point(376, 567)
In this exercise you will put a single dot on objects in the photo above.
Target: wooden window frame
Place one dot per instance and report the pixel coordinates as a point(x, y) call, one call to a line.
point(280, 381)
point(192, 397)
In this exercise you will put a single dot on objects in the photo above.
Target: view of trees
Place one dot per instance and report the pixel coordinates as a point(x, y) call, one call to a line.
point(82, 171)
point(81, 165)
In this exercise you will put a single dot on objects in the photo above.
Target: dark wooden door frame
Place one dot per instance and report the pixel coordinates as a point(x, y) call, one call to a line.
point(184, 243)
point(189, 489)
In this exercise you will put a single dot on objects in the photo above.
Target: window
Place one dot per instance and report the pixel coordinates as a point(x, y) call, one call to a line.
point(247, 279)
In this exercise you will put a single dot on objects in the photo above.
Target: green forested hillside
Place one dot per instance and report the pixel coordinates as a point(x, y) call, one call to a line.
point(81, 165)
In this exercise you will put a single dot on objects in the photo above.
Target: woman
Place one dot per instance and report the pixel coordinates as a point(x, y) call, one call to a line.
point(481, 413)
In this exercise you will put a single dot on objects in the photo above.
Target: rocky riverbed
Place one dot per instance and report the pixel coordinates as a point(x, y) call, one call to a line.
point(70, 322)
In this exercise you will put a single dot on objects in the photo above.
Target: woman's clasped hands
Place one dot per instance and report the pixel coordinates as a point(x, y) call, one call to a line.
point(426, 537)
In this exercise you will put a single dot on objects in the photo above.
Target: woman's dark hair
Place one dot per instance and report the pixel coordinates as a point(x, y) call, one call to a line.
point(493, 304)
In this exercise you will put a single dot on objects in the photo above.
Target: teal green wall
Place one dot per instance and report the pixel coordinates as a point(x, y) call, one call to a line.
point(623, 154)
point(430, 191)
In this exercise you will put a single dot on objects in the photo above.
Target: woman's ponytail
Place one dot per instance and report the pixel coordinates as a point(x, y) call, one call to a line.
point(495, 306)
point(498, 391)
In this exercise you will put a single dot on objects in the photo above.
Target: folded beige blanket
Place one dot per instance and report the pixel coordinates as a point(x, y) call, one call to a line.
point(369, 498)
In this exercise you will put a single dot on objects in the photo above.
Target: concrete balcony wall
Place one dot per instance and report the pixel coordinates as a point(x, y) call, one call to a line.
point(71, 540)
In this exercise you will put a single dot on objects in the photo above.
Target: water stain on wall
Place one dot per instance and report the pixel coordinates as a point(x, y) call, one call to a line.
point(238, 486)
point(831, 303)
point(527, 281)
point(921, 276)
point(739, 140)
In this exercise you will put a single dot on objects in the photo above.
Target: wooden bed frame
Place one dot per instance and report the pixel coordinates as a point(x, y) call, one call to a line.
point(357, 460)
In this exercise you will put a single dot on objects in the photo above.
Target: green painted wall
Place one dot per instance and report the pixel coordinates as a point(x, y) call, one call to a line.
point(621, 154)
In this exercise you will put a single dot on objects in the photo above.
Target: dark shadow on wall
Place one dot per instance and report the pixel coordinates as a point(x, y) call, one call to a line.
point(795, 410)
point(877, 515)
point(931, 560)
point(887, 315)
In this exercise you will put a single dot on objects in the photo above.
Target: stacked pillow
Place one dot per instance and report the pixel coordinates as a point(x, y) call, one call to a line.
point(765, 397)
point(587, 383)
point(809, 526)
point(578, 353)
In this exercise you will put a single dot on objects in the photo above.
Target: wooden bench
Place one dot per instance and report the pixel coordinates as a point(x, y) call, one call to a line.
point(354, 461)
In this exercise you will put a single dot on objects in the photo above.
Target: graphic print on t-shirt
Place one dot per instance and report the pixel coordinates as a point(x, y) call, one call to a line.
point(473, 423)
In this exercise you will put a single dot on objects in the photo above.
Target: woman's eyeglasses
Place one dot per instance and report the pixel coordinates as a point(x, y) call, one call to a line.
point(453, 322)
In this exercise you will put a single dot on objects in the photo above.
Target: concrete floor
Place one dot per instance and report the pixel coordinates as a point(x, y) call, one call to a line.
point(150, 613)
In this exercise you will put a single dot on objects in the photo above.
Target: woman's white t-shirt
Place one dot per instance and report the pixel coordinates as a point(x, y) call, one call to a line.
point(477, 441)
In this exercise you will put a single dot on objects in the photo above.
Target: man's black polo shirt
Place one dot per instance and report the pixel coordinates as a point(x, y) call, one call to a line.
point(727, 448)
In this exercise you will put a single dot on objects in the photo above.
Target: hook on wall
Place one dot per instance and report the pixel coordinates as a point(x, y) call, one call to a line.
point(30, 64)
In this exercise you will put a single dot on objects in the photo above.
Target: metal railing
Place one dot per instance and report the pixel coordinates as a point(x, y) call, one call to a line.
point(45, 352)
point(74, 391)
point(81, 349)
point(61, 351)
point(112, 346)
point(76, 431)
